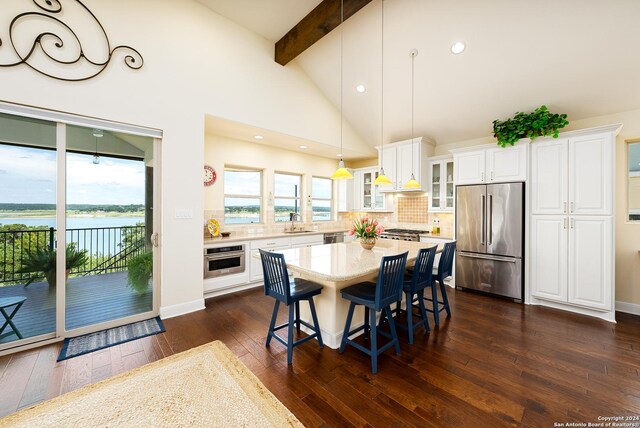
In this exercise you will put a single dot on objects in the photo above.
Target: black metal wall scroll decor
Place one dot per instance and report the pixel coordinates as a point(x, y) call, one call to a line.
point(49, 47)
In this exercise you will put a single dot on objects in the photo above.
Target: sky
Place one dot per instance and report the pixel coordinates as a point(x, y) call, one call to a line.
point(29, 176)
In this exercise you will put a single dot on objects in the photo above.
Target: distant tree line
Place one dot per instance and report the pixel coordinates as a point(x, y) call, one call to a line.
point(73, 207)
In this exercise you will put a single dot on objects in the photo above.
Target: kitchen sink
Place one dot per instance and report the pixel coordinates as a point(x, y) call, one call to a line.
point(298, 231)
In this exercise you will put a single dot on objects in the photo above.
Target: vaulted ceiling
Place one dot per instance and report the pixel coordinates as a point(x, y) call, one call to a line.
point(576, 56)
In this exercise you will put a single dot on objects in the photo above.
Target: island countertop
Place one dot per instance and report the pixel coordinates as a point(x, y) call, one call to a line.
point(345, 261)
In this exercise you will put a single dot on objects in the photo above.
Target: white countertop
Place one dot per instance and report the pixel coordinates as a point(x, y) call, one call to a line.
point(345, 261)
point(237, 237)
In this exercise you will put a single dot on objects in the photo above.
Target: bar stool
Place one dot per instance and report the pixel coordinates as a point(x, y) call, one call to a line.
point(376, 298)
point(289, 291)
point(440, 273)
point(420, 277)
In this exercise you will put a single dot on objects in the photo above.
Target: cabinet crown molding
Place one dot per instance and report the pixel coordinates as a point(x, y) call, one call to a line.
point(615, 128)
point(426, 140)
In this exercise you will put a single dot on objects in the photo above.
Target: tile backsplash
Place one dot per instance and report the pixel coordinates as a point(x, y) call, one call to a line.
point(412, 209)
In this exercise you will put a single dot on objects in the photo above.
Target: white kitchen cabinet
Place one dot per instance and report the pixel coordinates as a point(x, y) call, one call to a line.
point(571, 260)
point(345, 191)
point(591, 174)
point(506, 165)
point(573, 176)
point(274, 244)
point(403, 158)
point(590, 261)
point(470, 167)
point(549, 187)
point(571, 228)
point(491, 165)
point(441, 185)
point(300, 241)
point(549, 242)
point(358, 200)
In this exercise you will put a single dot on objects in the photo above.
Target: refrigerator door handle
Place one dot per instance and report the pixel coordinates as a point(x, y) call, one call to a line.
point(490, 222)
point(487, 257)
point(483, 221)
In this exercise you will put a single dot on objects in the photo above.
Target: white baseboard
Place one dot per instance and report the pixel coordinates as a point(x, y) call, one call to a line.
point(181, 308)
point(629, 308)
point(230, 290)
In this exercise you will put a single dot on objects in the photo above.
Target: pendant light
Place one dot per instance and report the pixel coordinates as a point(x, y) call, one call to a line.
point(97, 133)
point(341, 173)
point(412, 183)
point(381, 179)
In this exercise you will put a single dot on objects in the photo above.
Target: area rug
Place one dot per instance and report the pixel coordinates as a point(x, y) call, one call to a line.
point(206, 386)
point(81, 345)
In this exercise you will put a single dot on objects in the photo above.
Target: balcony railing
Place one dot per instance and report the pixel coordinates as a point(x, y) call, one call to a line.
point(108, 248)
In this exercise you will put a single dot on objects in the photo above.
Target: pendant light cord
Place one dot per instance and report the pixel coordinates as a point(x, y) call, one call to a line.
point(382, 88)
point(341, 70)
point(413, 153)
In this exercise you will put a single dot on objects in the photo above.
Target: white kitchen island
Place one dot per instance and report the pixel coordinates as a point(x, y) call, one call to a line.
point(337, 266)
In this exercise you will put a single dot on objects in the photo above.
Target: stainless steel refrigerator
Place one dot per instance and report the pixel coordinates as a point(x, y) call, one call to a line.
point(490, 238)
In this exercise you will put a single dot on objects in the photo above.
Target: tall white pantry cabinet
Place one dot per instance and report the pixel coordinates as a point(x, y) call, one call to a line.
point(571, 245)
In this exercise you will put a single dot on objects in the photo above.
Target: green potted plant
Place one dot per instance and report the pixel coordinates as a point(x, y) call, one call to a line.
point(42, 262)
point(540, 123)
point(140, 271)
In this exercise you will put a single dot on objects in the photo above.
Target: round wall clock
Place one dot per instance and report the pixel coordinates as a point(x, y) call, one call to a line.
point(210, 175)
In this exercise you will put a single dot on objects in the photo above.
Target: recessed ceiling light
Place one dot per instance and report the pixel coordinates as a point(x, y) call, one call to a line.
point(339, 155)
point(360, 88)
point(458, 48)
point(303, 147)
point(258, 137)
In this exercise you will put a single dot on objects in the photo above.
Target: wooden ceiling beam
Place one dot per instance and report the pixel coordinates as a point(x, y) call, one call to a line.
point(317, 24)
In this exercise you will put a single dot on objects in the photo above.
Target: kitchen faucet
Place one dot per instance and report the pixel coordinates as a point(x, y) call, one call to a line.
point(292, 217)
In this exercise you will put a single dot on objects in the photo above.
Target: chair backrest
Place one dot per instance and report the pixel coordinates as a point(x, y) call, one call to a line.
point(445, 266)
point(390, 280)
point(276, 276)
point(423, 269)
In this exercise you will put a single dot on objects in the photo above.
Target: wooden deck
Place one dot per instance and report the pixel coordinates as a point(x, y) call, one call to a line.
point(90, 300)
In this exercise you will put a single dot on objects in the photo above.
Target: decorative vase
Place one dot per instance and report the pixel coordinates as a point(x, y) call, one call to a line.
point(368, 242)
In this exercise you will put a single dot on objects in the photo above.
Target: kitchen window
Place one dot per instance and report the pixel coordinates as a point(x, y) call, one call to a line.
point(242, 196)
point(633, 179)
point(286, 191)
point(321, 196)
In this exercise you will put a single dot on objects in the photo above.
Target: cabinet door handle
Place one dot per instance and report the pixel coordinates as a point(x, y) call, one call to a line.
point(482, 176)
point(491, 175)
point(571, 207)
point(564, 209)
point(573, 223)
point(564, 223)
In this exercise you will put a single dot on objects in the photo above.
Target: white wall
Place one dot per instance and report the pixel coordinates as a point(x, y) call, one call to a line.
point(627, 233)
point(196, 63)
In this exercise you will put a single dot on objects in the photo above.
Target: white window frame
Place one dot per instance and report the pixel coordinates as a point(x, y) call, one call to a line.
point(291, 198)
point(330, 198)
point(240, 196)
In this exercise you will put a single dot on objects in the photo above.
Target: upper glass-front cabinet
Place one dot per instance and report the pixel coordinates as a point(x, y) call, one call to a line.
point(441, 186)
point(372, 198)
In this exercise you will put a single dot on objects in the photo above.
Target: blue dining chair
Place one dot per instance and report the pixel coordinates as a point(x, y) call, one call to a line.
point(443, 271)
point(420, 277)
point(376, 297)
point(289, 291)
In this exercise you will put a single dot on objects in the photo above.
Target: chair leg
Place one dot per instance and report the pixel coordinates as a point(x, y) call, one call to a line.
point(290, 334)
point(409, 297)
point(298, 317)
point(436, 312)
point(394, 334)
point(315, 321)
point(374, 342)
point(366, 323)
point(347, 326)
point(443, 290)
point(383, 318)
point(398, 308)
point(273, 322)
point(423, 311)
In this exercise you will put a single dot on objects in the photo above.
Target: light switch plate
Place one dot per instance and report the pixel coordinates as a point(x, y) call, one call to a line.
point(183, 213)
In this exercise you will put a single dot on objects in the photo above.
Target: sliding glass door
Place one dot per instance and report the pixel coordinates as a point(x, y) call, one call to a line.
point(27, 229)
point(88, 187)
point(109, 257)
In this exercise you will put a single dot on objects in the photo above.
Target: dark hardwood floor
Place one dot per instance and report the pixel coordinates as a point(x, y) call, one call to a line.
point(493, 363)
